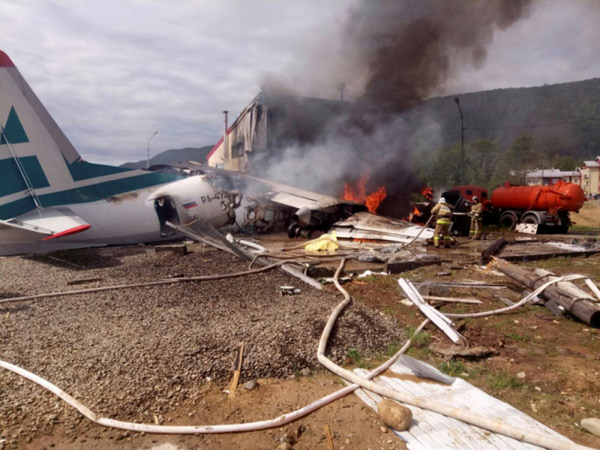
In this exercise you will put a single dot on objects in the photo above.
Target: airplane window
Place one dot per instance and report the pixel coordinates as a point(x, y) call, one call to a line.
point(269, 215)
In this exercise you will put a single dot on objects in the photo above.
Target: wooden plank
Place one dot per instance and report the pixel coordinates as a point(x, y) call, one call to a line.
point(236, 373)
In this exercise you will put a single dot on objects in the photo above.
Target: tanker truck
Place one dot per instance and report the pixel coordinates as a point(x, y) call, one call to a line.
point(545, 208)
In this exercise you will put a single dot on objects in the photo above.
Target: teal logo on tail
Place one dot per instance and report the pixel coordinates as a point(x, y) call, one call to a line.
point(13, 130)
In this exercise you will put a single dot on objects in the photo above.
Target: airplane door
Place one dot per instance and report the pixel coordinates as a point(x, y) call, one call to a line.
point(166, 212)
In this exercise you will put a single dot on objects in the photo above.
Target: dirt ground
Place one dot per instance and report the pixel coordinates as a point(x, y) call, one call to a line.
point(546, 366)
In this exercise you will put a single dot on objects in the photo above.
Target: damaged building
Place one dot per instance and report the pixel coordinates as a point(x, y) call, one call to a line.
point(270, 122)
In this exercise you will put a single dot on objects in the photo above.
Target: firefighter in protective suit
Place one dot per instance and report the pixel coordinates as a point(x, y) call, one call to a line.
point(442, 226)
point(475, 214)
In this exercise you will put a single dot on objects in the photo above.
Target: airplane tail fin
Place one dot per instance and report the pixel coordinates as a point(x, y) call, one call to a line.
point(39, 167)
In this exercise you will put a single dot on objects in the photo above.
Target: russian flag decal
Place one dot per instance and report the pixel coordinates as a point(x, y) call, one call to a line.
point(188, 205)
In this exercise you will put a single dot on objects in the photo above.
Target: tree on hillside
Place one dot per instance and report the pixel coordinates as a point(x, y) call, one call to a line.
point(442, 169)
point(481, 156)
point(523, 156)
point(565, 163)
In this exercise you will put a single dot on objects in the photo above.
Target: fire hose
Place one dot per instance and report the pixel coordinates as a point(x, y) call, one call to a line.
point(200, 429)
point(496, 426)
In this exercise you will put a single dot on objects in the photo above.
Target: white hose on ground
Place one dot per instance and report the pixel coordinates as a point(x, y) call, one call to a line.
point(528, 298)
point(496, 426)
point(253, 245)
point(417, 236)
point(205, 429)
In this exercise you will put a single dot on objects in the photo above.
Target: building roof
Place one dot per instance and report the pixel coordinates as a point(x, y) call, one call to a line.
point(591, 164)
point(552, 173)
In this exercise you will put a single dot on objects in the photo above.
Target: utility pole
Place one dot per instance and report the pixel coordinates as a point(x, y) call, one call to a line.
point(341, 87)
point(148, 150)
point(226, 138)
point(462, 140)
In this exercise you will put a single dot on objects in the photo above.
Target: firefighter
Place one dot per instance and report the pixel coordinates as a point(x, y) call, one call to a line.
point(442, 225)
point(475, 214)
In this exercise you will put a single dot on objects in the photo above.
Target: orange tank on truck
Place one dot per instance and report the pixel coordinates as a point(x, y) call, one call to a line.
point(561, 196)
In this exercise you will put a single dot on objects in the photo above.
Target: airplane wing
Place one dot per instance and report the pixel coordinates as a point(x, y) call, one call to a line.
point(281, 194)
point(48, 223)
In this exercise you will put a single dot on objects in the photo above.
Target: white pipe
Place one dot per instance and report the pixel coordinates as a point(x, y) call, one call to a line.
point(253, 245)
point(528, 298)
point(205, 429)
point(496, 426)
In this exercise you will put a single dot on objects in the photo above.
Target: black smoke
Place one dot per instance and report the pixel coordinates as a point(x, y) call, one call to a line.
point(408, 49)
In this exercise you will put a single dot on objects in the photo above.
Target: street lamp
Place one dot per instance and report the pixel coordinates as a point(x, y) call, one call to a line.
point(462, 136)
point(148, 150)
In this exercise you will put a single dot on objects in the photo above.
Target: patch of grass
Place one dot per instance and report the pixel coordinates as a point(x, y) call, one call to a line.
point(389, 310)
point(356, 358)
point(379, 279)
point(517, 337)
point(391, 350)
point(576, 228)
point(421, 340)
point(419, 353)
point(453, 368)
point(503, 380)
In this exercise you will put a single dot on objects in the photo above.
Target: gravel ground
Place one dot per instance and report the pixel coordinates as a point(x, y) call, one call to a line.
point(133, 354)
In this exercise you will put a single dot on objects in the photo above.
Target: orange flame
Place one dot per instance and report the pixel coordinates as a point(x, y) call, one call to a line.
point(373, 200)
point(427, 192)
point(358, 194)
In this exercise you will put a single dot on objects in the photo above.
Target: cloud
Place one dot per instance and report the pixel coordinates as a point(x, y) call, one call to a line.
point(111, 73)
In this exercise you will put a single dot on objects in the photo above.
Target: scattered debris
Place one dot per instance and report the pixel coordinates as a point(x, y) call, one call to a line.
point(585, 308)
point(289, 290)
point(472, 301)
point(464, 352)
point(591, 424)
point(236, 373)
point(84, 281)
point(469, 284)
point(329, 437)
point(370, 226)
point(504, 300)
point(324, 243)
point(494, 249)
point(433, 314)
point(250, 385)
point(368, 273)
point(429, 429)
point(394, 415)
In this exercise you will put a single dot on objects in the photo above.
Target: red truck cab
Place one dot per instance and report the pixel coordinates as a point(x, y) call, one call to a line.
point(469, 191)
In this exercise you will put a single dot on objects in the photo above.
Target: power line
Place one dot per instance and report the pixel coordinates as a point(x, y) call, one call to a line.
point(534, 125)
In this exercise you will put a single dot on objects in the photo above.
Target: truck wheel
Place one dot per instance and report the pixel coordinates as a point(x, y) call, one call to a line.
point(508, 219)
point(531, 219)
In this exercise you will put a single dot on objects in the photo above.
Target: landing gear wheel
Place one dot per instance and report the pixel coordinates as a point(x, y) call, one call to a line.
point(294, 231)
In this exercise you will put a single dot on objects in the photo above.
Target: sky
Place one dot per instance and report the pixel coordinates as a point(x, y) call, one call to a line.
point(112, 73)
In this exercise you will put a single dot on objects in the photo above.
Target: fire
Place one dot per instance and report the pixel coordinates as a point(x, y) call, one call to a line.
point(427, 192)
point(358, 194)
point(372, 201)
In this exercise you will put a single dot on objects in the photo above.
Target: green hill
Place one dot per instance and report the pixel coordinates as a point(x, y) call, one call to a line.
point(509, 129)
point(173, 156)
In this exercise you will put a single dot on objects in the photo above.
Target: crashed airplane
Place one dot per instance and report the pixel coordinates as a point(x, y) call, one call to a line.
point(51, 199)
